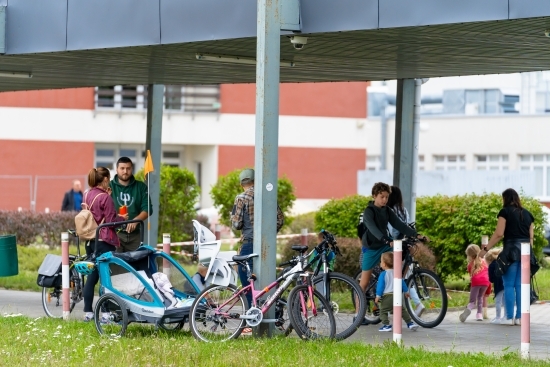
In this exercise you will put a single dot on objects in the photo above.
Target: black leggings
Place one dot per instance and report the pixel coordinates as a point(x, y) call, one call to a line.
point(91, 281)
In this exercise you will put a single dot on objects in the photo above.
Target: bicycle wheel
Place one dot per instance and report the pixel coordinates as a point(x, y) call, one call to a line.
point(214, 315)
point(111, 316)
point(343, 294)
point(372, 313)
point(433, 297)
point(52, 298)
point(311, 318)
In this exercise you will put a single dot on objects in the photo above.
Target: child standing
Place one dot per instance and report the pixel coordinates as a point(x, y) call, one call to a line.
point(384, 292)
point(498, 285)
point(479, 277)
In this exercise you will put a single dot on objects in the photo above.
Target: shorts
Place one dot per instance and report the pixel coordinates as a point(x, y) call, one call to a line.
point(371, 258)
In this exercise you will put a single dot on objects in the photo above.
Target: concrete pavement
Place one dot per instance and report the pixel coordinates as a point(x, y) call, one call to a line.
point(450, 335)
point(471, 336)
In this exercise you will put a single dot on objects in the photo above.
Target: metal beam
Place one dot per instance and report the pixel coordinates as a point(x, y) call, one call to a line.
point(2, 29)
point(404, 141)
point(155, 100)
point(266, 152)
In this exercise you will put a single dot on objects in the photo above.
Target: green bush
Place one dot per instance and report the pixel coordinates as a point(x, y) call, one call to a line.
point(179, 194)
point(300, 222)
point(452, 223)
point(223, 194)
point(340, 216)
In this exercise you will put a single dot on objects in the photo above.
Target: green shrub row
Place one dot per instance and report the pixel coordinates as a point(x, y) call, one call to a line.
point(452, 223)
point(36, 228)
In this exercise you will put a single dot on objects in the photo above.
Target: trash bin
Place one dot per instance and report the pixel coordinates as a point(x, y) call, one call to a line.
point(8, 256)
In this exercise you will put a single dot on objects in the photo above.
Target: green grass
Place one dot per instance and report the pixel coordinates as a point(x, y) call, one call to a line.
point(48, 342)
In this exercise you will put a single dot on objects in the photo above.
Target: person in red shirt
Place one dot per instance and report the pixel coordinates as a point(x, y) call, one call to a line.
point(479, 277)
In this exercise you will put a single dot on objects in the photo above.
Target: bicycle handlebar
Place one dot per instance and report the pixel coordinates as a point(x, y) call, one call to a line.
point(118, 224)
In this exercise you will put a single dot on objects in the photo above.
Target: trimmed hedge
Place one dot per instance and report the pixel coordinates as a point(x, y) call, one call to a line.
point(340, 216)
point(46, 228)
point(452, 223)
point(36, 228)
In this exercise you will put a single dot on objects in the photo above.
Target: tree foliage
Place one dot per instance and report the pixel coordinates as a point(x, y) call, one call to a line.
point(228, 187)
point(179, 194)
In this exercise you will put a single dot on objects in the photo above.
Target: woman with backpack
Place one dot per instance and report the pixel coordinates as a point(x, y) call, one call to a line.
point(515, 226)
point(99, 202)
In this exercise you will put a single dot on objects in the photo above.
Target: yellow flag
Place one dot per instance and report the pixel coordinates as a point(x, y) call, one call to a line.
point(148, 163)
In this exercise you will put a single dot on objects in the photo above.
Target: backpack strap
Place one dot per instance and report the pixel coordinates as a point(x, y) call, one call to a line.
point(93, 201)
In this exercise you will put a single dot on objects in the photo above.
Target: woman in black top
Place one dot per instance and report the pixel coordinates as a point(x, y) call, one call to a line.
point(515, 225)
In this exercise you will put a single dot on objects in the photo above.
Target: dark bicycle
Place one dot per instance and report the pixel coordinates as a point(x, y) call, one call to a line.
point(52, 297)
point(335, 287)
point(429, 288)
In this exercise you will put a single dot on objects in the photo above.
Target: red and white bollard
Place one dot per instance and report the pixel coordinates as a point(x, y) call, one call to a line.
point(166, 249)
point(65, 271)
point(303, 237)
point(525, 299)
point(218, 232)
point(397, 290)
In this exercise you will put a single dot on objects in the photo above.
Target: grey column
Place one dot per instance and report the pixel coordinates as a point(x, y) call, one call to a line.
point(267, 141)
point(403, 174)
point(155, 101)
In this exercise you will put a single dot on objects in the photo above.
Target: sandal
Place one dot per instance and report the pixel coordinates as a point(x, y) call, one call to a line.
point(247, 330)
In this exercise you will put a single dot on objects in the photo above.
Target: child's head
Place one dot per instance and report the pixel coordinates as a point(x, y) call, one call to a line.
point(472, 251)
point(492, 254)
point(380, 194)
point(386, 261)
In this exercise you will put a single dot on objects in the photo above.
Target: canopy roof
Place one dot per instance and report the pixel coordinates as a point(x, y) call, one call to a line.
point(383, 49)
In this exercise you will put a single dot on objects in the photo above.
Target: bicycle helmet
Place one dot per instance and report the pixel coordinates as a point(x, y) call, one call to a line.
point(84, 267)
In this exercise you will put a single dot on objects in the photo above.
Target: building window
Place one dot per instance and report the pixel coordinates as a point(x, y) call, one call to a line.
point(373, 163)
point(540, 163)
point(421, 163)
point(449, 162)
point(492, 162)
point(177, 98)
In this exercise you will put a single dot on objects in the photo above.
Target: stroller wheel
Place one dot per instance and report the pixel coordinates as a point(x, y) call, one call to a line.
point(111, 316)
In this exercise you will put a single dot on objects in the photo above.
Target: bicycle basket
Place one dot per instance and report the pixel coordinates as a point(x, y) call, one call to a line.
point(84, 267)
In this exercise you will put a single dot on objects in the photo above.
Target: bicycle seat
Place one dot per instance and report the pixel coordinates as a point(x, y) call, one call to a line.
point(300, 248)
point(244, 257)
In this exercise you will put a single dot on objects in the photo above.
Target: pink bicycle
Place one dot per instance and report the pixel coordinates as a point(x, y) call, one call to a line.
point(220, 313)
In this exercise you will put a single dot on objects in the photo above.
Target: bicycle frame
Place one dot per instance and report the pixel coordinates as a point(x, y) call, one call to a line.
point(286, 279)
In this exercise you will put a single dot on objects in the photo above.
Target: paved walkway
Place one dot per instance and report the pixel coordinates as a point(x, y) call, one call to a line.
point(450, 335)
point(471, 336)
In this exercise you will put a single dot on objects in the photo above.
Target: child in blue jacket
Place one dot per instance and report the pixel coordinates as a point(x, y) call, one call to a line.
point(384, 294)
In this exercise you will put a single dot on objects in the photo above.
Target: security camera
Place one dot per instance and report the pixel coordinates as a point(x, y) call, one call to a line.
point(298, 42)
point(547, 33)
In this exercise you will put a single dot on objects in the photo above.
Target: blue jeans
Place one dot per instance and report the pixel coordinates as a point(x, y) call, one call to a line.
point(512, 290)
point(246, 249)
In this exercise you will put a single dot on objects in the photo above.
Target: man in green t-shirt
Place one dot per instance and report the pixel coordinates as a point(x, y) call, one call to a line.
point(126, 190)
